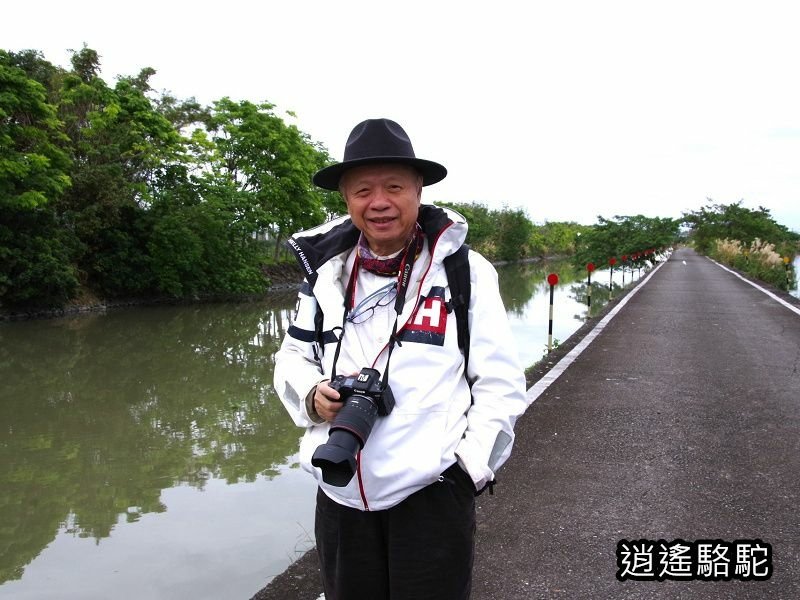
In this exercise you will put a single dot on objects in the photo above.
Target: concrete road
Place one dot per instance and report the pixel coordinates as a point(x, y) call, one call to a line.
point(681, 420)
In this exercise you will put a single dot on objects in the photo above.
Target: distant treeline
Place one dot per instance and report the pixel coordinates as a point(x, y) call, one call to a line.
point(509, 234)
point(119, 192)
point(765, 248)
point(749, 240)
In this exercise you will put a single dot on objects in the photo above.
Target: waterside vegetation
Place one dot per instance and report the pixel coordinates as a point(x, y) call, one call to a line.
point(118, 192)
point(748, 240)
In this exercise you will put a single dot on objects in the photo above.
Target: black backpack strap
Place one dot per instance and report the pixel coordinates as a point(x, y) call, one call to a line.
point(458, 279)
point(318, 320)
point(457, 268)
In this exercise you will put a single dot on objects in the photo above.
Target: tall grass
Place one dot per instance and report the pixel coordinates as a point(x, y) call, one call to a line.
point(759, 260)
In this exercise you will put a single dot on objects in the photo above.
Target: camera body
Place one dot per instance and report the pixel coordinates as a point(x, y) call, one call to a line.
point(364, 401)
point(366, 383)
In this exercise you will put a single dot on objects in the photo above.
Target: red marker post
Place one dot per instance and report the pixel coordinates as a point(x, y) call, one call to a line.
point(624, 259)
point(552, 280)
point(589, 268)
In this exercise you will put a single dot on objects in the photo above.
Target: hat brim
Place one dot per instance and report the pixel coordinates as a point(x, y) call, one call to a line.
point(329, 177)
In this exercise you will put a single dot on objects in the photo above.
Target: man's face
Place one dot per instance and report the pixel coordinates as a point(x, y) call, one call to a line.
point(383, 202)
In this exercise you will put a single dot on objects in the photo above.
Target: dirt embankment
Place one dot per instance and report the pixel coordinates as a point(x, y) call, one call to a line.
point(283, 275)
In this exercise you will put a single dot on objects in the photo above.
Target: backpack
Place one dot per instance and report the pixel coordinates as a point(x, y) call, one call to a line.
point(457, 268)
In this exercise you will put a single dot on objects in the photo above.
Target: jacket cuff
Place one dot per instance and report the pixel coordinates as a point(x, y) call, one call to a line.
point(311, 410)
point(479, 471)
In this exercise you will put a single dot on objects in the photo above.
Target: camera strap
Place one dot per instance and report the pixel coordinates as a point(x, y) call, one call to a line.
point(403, 279)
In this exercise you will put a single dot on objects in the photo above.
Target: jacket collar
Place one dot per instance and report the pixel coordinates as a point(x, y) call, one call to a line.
point(444, 228)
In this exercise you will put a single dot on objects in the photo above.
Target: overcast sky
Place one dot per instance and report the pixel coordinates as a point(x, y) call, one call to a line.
point(568, 109)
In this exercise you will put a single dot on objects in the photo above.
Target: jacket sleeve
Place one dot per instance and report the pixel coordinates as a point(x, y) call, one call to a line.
point(498, 381)
point(298, 365)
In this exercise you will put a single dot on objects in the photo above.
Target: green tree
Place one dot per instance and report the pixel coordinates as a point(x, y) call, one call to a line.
point(513, 234)
point(38, 69)
point(33, 166)
point(734, 222)
point(131, 194)
point(200, 243)
point(558, 238)
point(124, 153)
point(613, 238)
point(258, 153)
point(480, 221)
point(35, 266)
point(181, 113)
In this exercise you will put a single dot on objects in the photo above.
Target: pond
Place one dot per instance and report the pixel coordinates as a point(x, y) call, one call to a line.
point(144, 454)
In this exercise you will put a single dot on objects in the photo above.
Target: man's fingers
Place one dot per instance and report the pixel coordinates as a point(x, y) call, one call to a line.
point(326, 401)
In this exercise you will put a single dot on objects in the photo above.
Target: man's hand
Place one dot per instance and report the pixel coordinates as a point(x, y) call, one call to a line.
point(326, 401)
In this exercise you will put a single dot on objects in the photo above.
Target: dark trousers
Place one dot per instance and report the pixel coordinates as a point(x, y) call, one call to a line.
point(421, 548)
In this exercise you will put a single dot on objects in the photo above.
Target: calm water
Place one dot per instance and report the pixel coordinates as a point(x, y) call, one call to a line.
point(144, 454)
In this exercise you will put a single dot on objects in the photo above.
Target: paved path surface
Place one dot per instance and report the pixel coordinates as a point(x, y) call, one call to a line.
point(681, 420)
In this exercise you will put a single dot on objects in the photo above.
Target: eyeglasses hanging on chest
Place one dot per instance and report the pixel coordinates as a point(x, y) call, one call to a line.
point(364, 310)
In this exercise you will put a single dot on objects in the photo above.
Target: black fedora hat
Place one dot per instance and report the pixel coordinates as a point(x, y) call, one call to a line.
point(377, 141)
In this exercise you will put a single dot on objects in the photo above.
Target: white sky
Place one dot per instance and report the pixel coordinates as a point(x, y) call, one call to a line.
point(568, 109)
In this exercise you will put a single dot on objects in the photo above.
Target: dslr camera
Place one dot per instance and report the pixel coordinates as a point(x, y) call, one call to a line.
point(364, 401)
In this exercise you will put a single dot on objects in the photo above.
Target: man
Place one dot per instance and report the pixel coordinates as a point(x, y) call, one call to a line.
point(395, 511)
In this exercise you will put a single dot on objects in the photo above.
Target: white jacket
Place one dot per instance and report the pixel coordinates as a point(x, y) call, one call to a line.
point(436, 420)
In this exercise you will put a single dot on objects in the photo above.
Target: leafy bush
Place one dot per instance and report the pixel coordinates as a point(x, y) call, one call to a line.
point(35, 267)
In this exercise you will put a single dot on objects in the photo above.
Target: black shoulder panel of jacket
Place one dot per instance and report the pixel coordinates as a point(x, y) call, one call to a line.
point(433, 220)
point(313, 251)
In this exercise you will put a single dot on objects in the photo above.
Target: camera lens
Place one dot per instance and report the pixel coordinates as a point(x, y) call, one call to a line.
point(349, 432)
point(337, 458)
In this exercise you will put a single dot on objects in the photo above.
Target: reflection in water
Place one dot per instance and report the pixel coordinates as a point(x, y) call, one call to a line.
point(101, 413)
point(526, 295)
point(106, 418)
